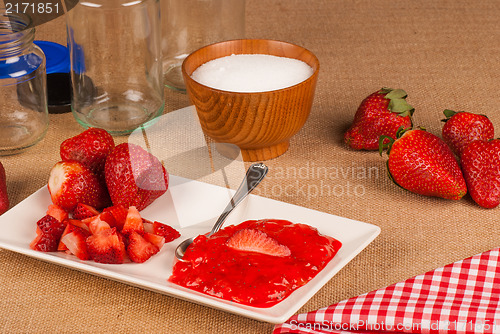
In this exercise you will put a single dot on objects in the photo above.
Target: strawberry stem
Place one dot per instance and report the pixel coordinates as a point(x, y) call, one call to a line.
point(382, 146)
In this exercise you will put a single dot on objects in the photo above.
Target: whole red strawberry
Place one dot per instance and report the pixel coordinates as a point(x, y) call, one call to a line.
point(422, 163)
point(91, 147)
point(4, 198)
point(481, 168)
point(381, 113)
point(134, 177)
point(462, 127)
point(71, 183)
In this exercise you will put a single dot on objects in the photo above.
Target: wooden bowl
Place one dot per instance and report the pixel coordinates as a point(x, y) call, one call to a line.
point(262, 123)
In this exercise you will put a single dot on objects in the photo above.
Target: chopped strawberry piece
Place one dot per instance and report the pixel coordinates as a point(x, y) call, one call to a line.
point(80, 223)
point(155, 239)
point(119, 212)
point(49, 231)
point(106, 247)
point(139, 249)
point(57, 212)
point(108, 218)
point(148, 226)
point(75, 242)
point(51, 226)
point(69, 228)
point(252, 240)
point(44, 243)
point(97, 225)
point(133, 223)
point(166, 231)
point(83, 211)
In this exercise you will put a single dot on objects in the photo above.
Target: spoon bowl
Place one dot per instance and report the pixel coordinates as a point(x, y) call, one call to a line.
point(254, 175)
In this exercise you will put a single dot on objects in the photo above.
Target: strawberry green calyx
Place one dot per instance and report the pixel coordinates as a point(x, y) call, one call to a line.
point(449, 114)
point(397, 102)
point(387, 144)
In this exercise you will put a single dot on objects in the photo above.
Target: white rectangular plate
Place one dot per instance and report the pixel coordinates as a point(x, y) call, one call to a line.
point(192, 207)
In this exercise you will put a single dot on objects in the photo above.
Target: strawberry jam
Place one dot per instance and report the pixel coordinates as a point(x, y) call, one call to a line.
point(257, 263)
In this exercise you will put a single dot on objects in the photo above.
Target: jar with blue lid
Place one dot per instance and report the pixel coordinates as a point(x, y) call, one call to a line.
point(23, 93)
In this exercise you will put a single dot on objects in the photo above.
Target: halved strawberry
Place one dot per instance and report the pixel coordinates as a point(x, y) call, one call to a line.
point(83, 211)
point(251, 240)
point(166, 231)
point(76, 243)
point(71, 183)
point(106, 247)
point(139, 249)
point(57, 212)
point(155, 239)
point(97, 225)
point(133, 221)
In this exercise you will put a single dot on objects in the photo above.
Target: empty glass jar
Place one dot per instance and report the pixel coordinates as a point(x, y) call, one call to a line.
point(116, 67)
point(188, 25)
point(23, 97)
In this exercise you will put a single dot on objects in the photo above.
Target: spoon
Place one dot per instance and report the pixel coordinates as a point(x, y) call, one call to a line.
point(254, 175)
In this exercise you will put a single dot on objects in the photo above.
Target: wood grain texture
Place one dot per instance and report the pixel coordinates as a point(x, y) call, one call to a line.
point(260, 124)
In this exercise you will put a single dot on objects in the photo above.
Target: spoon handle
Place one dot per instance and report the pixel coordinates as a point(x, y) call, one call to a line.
point(254, 175)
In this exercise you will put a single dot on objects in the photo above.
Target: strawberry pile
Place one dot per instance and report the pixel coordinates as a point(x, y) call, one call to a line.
point(466, 159)
point(97, 191)
point(115, 235)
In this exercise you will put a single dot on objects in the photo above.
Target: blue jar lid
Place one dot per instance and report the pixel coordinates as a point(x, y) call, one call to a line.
point(56, 55)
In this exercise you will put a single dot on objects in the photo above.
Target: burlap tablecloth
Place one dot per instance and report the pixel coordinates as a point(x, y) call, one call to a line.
point(445, 54)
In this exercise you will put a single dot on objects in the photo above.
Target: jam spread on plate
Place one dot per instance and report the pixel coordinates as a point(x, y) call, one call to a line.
point(257, 262)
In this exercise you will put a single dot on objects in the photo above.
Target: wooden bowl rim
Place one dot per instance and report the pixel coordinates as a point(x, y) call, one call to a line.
point(312, 77)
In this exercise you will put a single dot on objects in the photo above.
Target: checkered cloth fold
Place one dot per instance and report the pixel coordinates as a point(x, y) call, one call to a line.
point(462, 297)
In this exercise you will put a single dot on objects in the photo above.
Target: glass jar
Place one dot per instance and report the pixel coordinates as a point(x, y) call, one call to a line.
point(188, 25)
point(23, 97)
point(116, 68)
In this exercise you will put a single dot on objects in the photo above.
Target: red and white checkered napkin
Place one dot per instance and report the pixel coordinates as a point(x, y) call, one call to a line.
point(462, 297)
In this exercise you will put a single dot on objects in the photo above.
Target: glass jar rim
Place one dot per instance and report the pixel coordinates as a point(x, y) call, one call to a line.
point(16, 32)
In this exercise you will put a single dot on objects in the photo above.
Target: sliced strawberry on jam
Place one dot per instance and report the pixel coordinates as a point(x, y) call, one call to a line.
point(83, 211)
point(252, 240)
point(106, 246)
point(133, 222)
point(57, 212)
point(139, 249)
point(166, 231)
point(75, 242)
